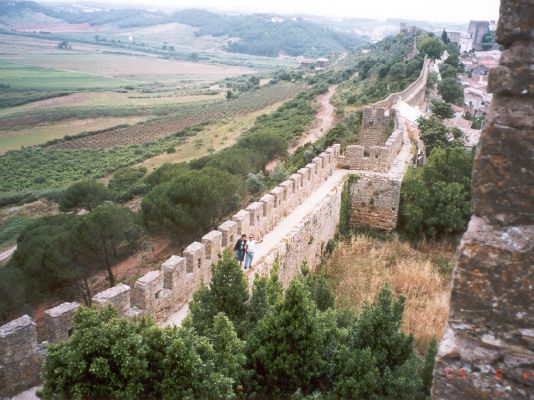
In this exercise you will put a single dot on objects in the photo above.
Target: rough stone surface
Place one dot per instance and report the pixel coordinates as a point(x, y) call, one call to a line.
point(229, 233)
point(118, 296)
point(20, 356)
point(488, 349)
point(59, 321)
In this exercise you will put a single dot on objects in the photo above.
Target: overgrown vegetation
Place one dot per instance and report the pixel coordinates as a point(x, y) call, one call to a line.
point(385, 69)
point(57, 255)
point(435, 197)
point(266, 140)
point(273, 344)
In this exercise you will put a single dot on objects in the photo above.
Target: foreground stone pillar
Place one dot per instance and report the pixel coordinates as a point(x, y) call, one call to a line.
point(20, 356)
point(487, 351)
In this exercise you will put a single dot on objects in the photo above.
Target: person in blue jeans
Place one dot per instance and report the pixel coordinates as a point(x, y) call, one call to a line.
point(250, 248)
point(239, 248)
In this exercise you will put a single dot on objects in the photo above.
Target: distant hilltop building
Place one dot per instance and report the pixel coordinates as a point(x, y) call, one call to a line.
point(476, 31)
point(404, 27)
point(318, 63)
point(478, 37)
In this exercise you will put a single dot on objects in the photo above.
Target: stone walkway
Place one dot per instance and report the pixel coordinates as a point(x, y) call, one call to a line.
point(273, 239)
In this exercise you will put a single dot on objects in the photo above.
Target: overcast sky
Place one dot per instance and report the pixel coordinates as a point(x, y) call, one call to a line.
point(429, 10)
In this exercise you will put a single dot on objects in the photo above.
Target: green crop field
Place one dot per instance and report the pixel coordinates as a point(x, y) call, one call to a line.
point(20, 76)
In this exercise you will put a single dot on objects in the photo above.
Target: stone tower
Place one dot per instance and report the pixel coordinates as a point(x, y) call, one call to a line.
point(487, 351)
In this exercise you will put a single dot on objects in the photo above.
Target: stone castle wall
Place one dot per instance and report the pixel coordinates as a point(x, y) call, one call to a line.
point(371, 153)
point(374, 201)
point(414, 94)
point(160, 293)
point(487, 351)
point(375, 158)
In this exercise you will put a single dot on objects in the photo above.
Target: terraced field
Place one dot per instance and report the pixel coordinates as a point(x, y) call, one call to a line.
point(188, 116)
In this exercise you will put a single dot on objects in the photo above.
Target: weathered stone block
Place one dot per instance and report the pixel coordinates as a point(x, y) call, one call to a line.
point(516, 21)
point(118, 296)
point(59, 321)
point(147, 290)
point(173, 272)
point(213, 245)
point(269, 216)
point(256, 217)
point(229, 233)
point(20, 356)
point(194, 255)
point(242, 218)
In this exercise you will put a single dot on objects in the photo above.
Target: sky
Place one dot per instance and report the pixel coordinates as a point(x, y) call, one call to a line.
point(425, 10)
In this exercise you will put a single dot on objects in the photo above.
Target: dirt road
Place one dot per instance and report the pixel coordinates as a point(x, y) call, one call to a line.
point(324, 119)
point(6, 255)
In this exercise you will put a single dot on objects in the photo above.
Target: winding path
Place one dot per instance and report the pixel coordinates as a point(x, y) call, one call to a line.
point(324, 119)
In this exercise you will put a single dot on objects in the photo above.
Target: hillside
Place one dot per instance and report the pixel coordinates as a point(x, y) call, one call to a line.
point(257, 34)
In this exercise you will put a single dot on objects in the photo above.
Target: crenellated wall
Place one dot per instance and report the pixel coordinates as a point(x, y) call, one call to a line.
point(160, 293)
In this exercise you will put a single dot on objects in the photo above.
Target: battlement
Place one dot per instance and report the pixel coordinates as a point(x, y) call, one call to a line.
point(163, 292)
point(374, 157)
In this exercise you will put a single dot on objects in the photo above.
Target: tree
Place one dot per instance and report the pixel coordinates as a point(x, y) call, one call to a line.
point(451, 91)
point(255, 183)
point(435, 198)
point(285, 348)
point(191, 203)
point(228, 94)
point(453, 60)
point(103, 231)
point(86, 194)
point(447, 71)
point(445, 37)
point(127, 183)
point(227, 293)
point(45, 256)
point(433, 132)
point(114, 358)
point(319, 290)
point(267, 291)
point(165, 173)
point(431, 46)
point(441, 109)
point(229, 349)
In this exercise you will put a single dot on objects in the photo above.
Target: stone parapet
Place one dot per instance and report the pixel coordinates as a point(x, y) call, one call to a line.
point(20, 356)
point(163, 292)
point(59, 321)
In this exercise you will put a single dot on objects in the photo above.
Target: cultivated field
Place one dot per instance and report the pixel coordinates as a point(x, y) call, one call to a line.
point(214, 137)
point(102, 61)
point(15, 139)
point(186, 117)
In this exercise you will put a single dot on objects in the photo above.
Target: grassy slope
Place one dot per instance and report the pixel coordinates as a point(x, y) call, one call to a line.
point(359, 268)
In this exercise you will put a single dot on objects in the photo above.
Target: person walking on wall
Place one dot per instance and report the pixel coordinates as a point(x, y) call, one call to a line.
point(239, 248)
point(250, 248)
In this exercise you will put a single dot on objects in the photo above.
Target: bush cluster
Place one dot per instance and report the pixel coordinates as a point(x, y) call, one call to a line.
point(272, 344)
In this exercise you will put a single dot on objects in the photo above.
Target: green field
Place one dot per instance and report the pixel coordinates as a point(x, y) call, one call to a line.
point(20, 76)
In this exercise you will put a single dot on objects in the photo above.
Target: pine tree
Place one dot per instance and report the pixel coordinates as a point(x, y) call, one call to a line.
point(285, 349)
point(227, 293)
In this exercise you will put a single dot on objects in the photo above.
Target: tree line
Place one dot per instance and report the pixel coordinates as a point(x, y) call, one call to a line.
point(271, 343)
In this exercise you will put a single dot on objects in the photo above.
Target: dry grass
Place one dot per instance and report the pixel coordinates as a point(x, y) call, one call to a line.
point(360, 267)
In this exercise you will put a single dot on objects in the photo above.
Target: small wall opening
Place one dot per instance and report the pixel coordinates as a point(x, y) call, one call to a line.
point(365, 153)
point(158, 294)
point(199, 261)
point(70, 332)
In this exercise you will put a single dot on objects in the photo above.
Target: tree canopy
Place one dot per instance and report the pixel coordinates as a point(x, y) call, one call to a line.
point(435, 197)
point(451, 91)
point(431, 46)
point(289, 349)
point(86, 194)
